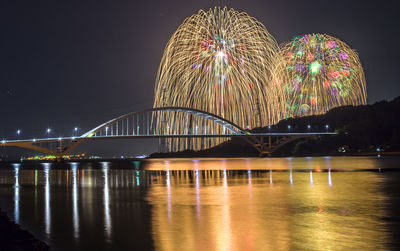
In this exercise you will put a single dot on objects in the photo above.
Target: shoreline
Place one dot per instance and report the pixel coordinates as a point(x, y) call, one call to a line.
point(200, 156)
point(13, 237)
point(181, 155)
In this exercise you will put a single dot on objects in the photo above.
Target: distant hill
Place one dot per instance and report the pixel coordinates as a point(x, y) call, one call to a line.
point(360, 129)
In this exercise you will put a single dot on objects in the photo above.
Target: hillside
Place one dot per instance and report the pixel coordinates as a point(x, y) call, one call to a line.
point(361, 129)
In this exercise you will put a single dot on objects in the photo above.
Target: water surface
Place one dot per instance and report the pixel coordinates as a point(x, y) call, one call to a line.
point(338, 203)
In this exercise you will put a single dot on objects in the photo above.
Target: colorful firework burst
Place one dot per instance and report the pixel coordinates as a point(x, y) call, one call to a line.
point(219, 61)
point(319, 72)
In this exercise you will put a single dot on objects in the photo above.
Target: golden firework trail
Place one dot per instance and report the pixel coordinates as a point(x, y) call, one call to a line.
point(218, 61)
point(319, 72)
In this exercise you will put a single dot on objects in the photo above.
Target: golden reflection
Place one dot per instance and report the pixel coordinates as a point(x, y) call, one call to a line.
point(236, 207)
point(319, 163)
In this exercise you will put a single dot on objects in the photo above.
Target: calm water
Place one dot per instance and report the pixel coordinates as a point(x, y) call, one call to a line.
point(339, 203)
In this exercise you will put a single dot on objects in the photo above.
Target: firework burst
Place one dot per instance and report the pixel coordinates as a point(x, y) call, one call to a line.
point(319, 72)
point(219, 61)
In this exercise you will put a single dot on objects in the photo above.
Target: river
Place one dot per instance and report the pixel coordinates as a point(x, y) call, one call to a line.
point(319, 203)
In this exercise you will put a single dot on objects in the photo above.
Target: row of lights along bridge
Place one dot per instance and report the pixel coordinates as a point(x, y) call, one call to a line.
point(48, 130)
point(308, 127)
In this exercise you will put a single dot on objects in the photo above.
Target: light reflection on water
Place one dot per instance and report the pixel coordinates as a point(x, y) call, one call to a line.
point(75, 216)
point(211, 204)
point(107, 217)
point(47, 213)
point(16, 192)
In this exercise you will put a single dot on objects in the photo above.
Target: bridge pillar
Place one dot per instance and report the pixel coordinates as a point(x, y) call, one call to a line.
point(263, 148)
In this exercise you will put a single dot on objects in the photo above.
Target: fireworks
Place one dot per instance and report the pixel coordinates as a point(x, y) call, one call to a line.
point(219, 61)
point(226, 63)
point(319, 72)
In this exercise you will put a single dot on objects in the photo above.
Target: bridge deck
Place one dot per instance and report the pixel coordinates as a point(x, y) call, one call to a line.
point(150, 136)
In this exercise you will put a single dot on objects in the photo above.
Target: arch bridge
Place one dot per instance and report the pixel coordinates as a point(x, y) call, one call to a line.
point(160, 123)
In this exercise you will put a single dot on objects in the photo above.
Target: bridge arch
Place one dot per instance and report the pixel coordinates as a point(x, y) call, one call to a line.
point(64, 145)
point(232, 127)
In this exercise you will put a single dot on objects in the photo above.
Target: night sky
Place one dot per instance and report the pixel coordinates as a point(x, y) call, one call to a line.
point(79, 63)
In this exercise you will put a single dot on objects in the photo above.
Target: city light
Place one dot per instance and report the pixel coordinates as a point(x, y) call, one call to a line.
point(18, 132)
point(67, 157)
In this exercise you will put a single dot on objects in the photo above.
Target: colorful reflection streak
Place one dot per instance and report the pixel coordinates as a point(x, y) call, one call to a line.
point(16, 192)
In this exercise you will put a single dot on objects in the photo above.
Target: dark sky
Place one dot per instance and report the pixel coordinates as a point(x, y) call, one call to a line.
point(78, 63)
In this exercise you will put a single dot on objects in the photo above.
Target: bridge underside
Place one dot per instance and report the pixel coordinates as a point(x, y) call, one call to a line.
point(266, 145)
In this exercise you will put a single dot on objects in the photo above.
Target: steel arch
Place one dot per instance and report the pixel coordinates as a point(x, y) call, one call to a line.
point(235, 129)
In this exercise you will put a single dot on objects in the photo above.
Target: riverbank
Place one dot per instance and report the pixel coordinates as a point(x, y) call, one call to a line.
point(13, 238)
point(202, 154)
point(6, 163)
point(195, 154)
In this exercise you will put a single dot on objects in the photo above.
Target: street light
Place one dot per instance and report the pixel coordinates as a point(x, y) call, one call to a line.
point(327, 127)
point(308, 127)
point(48, 131)
point(75, 132)
point(288, 127)
point(18, 132)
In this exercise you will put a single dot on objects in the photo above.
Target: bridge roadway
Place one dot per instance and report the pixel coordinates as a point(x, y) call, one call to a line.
point(153, 136)
point(264, 143)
